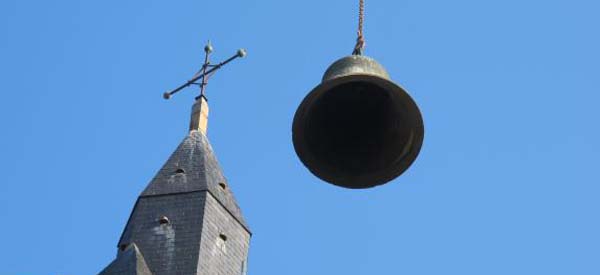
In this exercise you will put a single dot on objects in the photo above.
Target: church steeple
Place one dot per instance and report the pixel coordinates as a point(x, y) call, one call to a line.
point(186, 221)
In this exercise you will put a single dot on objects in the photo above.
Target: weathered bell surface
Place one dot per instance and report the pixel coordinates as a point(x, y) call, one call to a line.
point(357, 129)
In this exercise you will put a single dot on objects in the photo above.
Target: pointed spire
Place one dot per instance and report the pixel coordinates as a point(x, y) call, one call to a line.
point(187, 220)
point(194, 167)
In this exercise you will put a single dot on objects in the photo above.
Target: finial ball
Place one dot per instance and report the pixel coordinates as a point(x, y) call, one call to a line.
point(241, 52)
point(208, 48)
point(167, 95)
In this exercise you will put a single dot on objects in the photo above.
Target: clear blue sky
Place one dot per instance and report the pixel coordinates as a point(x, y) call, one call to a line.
point(506, 183)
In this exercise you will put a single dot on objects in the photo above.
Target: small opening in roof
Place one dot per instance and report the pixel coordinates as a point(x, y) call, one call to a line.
point(223, 185)
point(223, 237)
point(163, 220)
point(179, 171)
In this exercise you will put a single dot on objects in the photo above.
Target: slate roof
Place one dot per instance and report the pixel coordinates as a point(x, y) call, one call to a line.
point(128, 262)
point(194, 167)
point(179, 217)
point(171, 248)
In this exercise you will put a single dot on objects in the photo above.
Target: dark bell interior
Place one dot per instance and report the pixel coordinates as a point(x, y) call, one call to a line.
point(357, 129)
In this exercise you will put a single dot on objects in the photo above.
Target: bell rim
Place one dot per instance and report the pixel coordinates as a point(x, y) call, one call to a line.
point(310, 162)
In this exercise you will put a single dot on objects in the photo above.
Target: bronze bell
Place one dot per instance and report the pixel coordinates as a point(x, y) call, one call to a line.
point(357, 129)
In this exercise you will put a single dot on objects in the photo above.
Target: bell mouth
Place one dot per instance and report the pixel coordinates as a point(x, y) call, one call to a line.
point(357, 131)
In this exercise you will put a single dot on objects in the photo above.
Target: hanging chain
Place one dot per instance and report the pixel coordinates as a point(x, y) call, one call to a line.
point(360, 40)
